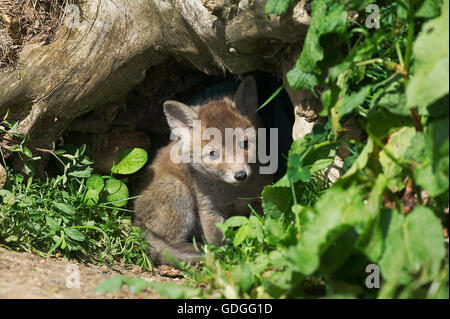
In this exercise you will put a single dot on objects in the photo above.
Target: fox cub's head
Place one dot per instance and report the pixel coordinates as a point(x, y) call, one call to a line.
point(217, 138)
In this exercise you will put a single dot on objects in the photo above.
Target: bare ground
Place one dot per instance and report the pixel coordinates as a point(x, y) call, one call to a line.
point(26, 275)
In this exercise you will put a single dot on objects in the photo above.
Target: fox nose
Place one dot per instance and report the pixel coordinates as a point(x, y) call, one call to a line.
point(240, 176)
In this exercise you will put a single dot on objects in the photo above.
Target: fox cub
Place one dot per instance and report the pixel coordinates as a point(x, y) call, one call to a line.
point(184, 200)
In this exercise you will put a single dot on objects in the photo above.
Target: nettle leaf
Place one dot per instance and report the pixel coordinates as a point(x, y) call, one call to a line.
point(95, 182)
point(74, 234)
point(430, 80)
point(398, 145)
point(236, 221)
point(336, 212)
point(81, 172)
point(352, 101)
point(429, 9)
point(175, 291)
point(53, 223)
point(91, 197)
point(362, 159)
point(383, 123)
point(241, 235)
point(130, 161)
point(66, 208)
point(277, 6)
point(327, 17)
point(432, 174)
point(371, 241)
point(117, 192)
point(414, 243)
point(393, 98)
point(276, 201)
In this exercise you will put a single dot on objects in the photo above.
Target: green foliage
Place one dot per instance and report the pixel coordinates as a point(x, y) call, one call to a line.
point(130, 161)
point(136, 285)
point(277, 6)
point(315, 240)
point(430, 82)
point(75, 214)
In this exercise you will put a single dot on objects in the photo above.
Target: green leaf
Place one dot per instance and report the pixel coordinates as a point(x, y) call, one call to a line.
point(117, 192)
point(371, 240)
point(398, 145)
point(66, 208)
point(414, 243)
point(175, 291)
point(84, 172)
point(95, 182)
point(327, 17)
point(53, 223)
point(392, 98)
point(236, 221)
point(362, 159)
point(429, 9)
point(27, 151)
point(430, 80)
point(433, 171)
point(130, 161)
point(276, 200)
point(383, 123)
point(353, 100)
point(277, 6)
point(241, 235)
point(74, 234)
point(91, 197)
point(112, 284)
point(336, 212)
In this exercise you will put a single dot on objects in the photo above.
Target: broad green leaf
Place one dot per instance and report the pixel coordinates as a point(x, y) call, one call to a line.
point(175, 291)
point(241, 235)
point(362, 159)
point(236, 221)
point(392, 98)
point(113, 284)
point(276, 201)
point(95, 182)
point(53, 223)
point(397, 146)
point(74, 234)
point(66, 208)
point(383, 123)
point(353, 100)
point(327, 17)
point(430, 80)
point(91, 197)
point(413, 244)
point(117, 192)
point(433, 172)
point(130, 161)
point(277, 6)
point(429, 9)
point(337, 211)
point(371, 240)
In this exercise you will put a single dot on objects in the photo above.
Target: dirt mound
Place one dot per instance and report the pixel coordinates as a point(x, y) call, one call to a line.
point(27, 21)
point(25, 275)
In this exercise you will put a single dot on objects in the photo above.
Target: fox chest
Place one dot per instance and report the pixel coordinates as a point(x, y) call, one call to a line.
point(225, 201)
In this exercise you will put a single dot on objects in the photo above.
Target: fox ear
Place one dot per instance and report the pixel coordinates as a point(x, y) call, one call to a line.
point(246, 97)
point(179, 115)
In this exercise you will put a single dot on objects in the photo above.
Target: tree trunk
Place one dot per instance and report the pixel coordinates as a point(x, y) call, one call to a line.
point(101, 56)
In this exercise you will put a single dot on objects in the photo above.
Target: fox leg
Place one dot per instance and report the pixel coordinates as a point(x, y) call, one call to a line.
point(180, 251)
point(212, 233)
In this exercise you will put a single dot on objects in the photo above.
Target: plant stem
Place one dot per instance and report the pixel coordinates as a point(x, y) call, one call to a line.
point(410, 38)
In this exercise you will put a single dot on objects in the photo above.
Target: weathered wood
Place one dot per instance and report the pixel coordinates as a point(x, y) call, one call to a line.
point(99, 60)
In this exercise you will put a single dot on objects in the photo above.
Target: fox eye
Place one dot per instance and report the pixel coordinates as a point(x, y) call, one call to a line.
point(214, 154)
point(243, 145)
